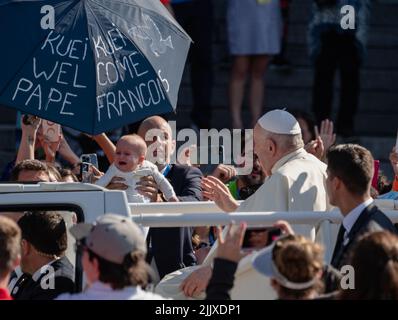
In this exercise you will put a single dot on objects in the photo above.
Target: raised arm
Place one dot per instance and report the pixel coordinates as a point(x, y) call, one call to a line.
point(27, 146)
point(163, 184)
point(106, 145)
point(107, 177)
point(67, 153)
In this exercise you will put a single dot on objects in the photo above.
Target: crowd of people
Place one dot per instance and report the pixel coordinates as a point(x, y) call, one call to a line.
point(257, 34)
point(287, 175)
point(297, 166)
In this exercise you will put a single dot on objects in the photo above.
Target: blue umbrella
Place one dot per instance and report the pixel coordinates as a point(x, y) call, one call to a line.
point(92, 65)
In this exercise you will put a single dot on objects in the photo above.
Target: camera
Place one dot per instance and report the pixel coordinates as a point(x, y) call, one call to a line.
point(258, 238)
point(90, 158)
point(51, 130)
point(85, 172)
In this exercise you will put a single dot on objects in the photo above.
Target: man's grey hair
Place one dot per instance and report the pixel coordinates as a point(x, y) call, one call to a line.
point(287, 142)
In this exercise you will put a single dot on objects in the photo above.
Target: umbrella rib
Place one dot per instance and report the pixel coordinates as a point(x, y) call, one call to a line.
point(106, 39)
point(157, 76)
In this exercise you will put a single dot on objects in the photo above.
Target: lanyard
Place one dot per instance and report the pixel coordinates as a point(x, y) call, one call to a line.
point(166, 170)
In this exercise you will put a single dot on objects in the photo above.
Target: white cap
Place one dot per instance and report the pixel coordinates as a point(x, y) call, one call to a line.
point(280, 122)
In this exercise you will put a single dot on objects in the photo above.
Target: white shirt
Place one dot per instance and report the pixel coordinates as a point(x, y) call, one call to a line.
point(350, 219)
point(131, 178)
point(297, 183)
point(102, 291)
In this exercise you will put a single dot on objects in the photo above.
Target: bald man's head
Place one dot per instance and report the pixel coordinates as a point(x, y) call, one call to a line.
point(154, 122)
point(157, 130)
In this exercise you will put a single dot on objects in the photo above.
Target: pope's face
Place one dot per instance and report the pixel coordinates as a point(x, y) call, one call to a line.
point(261, 149)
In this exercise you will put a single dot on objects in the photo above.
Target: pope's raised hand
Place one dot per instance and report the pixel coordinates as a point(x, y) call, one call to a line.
point(214, 190)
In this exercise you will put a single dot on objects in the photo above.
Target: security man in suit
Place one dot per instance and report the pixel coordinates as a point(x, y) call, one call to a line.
point(350, 172)
point(46, 271)
point(170, 248)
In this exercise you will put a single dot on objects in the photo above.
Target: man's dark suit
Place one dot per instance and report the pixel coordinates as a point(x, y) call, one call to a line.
point(28, 289)
point(371, 219)
point(172, 247)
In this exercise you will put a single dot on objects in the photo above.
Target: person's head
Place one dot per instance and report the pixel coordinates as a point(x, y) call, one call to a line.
point(67, 175)
point(276, 134)
point(10, 247)
point(294, 264)
point(114, 251)
point(156, 129)
point(257, 175)
point(307, 124)
point(130, 152)
point(350, 172)
point(375, 262)
point(383, 184)
point(30, 170)
point(44, 238)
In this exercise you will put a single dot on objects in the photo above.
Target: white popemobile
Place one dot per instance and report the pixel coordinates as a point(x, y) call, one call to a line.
point(80, 202)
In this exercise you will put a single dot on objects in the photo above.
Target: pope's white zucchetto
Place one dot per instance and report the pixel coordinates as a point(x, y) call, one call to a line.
point(280, 122)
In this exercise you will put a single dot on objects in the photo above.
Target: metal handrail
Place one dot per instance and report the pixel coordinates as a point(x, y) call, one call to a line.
point(313, 218)
point(211, 207)
point(174, 207)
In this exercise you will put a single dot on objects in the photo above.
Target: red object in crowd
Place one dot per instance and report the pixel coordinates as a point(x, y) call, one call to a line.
point(376, 175)
point(165, 1)
point(4, 294)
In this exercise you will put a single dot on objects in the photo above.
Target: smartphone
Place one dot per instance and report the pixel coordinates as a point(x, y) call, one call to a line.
point(51, 130)
point(86, 172)
point(90, 158)
point(258, 238)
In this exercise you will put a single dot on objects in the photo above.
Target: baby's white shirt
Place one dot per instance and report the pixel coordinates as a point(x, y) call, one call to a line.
point(145, 169)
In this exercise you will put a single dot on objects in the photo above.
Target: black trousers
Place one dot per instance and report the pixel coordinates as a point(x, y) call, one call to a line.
point(338, 52)
point(196, 17)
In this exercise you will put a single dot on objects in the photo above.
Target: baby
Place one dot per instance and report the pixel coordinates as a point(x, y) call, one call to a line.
point(131, 165)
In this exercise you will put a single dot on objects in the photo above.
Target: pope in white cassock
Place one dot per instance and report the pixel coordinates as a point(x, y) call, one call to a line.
point(295, 179)
point(295, 182)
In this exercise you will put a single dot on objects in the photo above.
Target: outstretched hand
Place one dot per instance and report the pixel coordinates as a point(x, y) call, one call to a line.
point(316, 147)
point(230, 247)
point(214, 190)
point(326, 134)
point(224, 172)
